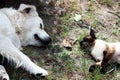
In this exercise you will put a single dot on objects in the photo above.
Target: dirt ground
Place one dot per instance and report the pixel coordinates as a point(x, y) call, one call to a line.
point(63, 58)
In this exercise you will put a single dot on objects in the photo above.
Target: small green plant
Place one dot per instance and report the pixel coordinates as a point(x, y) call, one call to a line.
point(62, 55)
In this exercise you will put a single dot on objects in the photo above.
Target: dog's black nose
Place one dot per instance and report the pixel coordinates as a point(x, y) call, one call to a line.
point(46, 41)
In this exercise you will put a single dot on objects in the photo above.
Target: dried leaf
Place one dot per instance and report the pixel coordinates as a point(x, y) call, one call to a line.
point(66, 43)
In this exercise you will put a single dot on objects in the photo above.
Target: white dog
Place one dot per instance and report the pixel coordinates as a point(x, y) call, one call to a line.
point(18, 28)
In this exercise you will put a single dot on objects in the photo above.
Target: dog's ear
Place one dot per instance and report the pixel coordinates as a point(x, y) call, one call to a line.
point(92, 33)
point(28, 9)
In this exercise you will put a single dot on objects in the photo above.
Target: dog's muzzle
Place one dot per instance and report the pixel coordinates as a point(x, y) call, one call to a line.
point(44, 41)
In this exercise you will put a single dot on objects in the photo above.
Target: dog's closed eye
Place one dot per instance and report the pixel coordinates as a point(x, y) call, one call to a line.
point(41, 27)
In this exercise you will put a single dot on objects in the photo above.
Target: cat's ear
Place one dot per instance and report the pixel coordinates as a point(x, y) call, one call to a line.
point(92, 32)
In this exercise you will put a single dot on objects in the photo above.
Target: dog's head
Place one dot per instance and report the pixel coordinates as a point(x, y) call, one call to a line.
point(88, 41)
point(33, 28)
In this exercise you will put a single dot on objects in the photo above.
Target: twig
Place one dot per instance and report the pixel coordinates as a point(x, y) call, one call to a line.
point(114, 13)
point(110, 71)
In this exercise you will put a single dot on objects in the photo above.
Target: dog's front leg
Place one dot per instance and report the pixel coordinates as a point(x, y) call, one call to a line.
point(9, 51)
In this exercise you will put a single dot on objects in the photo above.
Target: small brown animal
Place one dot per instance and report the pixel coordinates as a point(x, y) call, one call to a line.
point(102, 51)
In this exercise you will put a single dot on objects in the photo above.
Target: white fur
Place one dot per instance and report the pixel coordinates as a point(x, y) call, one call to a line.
point(28, 24)
point(97, 50)
point(3, 73)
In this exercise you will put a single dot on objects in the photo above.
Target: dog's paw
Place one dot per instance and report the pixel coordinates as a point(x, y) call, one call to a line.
point(3, 73)
point(92, 68)
point(38, 71)
point(42, 73)
point(4, 78)
point(41, 76)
